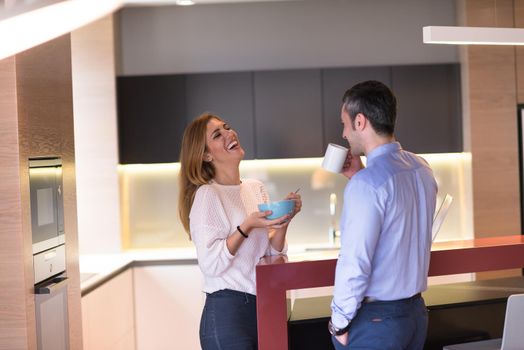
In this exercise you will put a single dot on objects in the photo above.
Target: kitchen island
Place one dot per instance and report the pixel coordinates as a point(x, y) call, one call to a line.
point(277, 274)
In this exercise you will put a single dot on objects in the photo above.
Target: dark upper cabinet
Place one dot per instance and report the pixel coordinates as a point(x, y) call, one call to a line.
point(429, 118)
point(151, 118)
point(230, 96)
point(335, 82)
point(288, 111)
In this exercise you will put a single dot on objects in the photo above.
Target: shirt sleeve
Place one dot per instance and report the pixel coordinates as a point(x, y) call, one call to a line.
point(273, 251)
point(361, 223)
point(209, 227)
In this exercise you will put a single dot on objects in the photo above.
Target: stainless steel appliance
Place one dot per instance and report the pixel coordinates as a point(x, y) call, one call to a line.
point(52, 324)
point(49, 257)
point(47, 205)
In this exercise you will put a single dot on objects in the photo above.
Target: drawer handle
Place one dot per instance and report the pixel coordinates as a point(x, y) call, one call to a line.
point(52, 287)
point(50, 255)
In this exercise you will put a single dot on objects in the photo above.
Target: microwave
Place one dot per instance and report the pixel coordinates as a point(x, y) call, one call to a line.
point(47, 205)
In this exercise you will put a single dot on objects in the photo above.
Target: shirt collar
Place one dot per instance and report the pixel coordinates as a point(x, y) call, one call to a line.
point(383, 149)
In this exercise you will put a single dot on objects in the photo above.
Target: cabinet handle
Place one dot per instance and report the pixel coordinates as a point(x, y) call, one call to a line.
point(51, 288)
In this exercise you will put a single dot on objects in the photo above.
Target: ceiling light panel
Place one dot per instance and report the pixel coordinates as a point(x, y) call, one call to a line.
point(473, 35)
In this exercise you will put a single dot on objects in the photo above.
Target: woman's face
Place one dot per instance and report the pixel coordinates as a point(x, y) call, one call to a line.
point(223, 146)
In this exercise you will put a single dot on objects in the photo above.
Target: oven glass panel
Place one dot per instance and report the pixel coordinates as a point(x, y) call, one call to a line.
point(43, 203)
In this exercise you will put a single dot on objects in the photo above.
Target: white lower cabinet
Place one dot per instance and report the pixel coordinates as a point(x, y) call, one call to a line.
point(168, 306)
point(108, 316)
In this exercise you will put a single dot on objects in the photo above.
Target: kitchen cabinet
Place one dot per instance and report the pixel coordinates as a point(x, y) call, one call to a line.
point(230, 95)
point(151, 118)
point(429, 116)
point(335, 82)
point(169, 302)
point(108, 315)
point(288, 113)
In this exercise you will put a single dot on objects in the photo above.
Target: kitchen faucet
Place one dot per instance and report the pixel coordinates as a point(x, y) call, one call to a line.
point(333, 232)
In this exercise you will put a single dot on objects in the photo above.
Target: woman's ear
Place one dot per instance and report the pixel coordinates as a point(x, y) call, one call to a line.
point(207, 158)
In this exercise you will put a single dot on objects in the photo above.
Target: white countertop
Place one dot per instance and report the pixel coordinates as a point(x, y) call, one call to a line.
point(95, 268)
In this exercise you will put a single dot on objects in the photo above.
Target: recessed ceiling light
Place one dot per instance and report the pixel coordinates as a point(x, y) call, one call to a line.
point(185, 2)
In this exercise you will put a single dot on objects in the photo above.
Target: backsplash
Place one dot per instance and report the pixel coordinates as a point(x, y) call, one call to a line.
point(149, 196)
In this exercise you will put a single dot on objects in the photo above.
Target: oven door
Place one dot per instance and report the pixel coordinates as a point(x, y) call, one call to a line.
point(44, 192)
point(52, 321)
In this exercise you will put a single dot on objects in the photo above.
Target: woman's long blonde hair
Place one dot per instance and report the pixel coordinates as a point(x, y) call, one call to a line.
point(194, 172)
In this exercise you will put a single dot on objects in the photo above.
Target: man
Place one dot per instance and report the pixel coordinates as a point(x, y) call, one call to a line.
point(386, 230)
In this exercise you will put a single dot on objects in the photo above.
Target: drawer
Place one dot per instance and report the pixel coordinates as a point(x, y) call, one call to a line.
point(49, 263)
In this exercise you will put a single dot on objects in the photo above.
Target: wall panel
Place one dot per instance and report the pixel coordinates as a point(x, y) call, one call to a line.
point(491, 105)
point(13, 308)
point(36, 119)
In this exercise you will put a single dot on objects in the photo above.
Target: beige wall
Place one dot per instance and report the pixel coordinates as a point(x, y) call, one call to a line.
point(96, 141)
point(492, 123)
point(519, 22)
point(491, 77)
point(13, 308)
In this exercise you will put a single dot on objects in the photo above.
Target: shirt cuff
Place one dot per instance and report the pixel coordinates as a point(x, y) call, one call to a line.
point(338, 320)
point(273, 251)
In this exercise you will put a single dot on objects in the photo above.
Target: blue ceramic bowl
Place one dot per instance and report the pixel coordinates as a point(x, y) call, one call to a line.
point(278, 209)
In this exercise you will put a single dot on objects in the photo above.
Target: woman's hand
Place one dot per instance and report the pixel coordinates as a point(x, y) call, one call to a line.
point(298, 203)
point(258, 219)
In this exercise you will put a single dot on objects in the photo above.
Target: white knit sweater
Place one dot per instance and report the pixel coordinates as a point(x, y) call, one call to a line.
point(216, 212)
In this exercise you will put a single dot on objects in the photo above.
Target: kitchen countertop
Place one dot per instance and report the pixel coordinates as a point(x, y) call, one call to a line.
point(96, 269)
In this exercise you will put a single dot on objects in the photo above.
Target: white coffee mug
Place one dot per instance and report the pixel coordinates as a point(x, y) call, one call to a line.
point(334, 158)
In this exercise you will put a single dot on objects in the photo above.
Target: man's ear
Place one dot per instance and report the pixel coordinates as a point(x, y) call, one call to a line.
point(360, 122)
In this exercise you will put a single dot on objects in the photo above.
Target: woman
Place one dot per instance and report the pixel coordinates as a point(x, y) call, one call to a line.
point(219, 211)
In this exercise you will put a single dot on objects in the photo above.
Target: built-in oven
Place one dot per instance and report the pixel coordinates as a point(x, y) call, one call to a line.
point(47, 206)
point(49, 253)
point(52, 324)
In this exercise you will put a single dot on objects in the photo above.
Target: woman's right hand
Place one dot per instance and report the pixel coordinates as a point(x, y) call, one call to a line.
point(258, 219)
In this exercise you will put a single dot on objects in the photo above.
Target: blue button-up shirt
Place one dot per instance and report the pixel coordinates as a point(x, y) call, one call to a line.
point(385, 231)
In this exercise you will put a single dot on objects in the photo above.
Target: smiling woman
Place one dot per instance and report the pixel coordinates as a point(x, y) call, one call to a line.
point(220, 213)
point(224, 150)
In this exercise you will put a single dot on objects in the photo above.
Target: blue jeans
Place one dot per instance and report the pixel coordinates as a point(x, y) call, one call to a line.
point(400, 324)
point(229, 321)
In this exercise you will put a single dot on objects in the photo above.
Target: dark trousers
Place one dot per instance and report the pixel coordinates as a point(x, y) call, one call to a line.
point(388, 325)
point(229, 321)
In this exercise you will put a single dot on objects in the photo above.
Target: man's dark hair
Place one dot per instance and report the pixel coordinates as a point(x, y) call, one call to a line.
point(376, 102)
